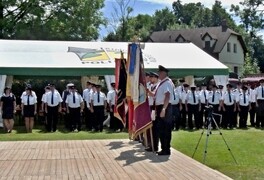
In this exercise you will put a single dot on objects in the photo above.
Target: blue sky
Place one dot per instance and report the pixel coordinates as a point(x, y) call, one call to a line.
point(150, 6)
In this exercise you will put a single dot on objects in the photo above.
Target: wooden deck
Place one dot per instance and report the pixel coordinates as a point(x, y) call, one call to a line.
point(95, 159)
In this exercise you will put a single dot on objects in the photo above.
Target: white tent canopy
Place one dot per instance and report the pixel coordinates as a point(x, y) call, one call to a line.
point(52, 58)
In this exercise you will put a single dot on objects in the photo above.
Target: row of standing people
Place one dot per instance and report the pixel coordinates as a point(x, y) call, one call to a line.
point(92, 104)
point(190, 103)
point(71, 102)
point(171, 105)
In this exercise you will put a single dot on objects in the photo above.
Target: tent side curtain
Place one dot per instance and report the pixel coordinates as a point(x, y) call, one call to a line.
point(16, 71)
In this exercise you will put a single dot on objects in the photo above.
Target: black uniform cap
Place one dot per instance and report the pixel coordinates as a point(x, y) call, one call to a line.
point(153, 74)
point(162, 68)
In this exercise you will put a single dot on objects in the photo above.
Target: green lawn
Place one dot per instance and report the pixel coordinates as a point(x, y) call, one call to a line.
point(19, 134)
point(246, 145)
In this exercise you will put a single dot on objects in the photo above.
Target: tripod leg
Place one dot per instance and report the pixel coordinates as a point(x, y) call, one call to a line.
point(224, 141)
point(198, 143)
point(207, 138)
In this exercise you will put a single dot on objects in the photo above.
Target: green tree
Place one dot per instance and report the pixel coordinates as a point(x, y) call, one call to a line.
point(120, 20)
point(251, 15)
point(163, 19)
point(219, 14)
point(250, 66)
point(51, 19)
point(185, 13)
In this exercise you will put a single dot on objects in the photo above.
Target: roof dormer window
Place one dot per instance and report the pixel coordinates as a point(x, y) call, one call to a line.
point(180, 39)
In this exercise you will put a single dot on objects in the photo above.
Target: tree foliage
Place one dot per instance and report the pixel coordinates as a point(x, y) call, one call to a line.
point(251, 15)
point(51, 19)
point(250, 66)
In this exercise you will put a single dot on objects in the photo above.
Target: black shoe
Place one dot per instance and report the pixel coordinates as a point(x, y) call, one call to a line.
point(149, 149)
point(163, 153)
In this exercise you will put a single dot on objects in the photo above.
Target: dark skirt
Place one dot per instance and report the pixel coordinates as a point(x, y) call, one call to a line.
point(8, 113)
point(29, 111)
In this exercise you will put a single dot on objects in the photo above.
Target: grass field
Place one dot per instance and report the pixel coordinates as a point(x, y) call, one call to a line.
point(247, 147)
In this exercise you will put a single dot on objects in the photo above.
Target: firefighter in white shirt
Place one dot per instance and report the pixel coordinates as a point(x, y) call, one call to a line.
point(176, 107)
point(154, 83)
point(75, 106)
point(237, 91)
point(180, 87)
point(52, 108)
point(87, 102)
point(115, 123)
point(214, 99)
point(229, 107)
point(163, 96)
point(203, 97)
point(42, 110)
point(183, 112)
point(29, 108)
point(252, 111)
point(244, 105)
point(98, 106)
point(193, 106)
point(260, 104)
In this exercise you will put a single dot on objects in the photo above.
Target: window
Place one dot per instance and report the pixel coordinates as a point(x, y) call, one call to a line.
point(235, 48)
point(207, 44)
point(236, 69)
point(228, 47)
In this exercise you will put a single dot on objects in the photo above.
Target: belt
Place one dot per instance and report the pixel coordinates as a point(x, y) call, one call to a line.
point(53, 106)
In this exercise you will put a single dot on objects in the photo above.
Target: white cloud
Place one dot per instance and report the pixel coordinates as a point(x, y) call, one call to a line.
point(208, 3)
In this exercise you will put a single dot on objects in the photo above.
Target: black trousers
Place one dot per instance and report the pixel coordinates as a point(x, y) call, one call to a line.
point(260, 114)
point(52, 118)
point(193, 110)
point(252, 113)
point(115, 123)
point(75, 116)
point(216, 117)
point(228, 116)
point(183, 115)
point(164, 127)
point(176, 116)
point(99, 117)
point(88, 118)
point(243, 116)
point(202, 115)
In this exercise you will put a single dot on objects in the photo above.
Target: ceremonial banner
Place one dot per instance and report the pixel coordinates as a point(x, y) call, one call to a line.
point(141, 116)
point(121, 79)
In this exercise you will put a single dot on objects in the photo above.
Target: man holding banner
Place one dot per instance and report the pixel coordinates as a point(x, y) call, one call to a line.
point(164, 116)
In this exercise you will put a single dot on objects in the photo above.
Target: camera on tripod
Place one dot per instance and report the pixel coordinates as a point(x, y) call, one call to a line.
point(209, 109)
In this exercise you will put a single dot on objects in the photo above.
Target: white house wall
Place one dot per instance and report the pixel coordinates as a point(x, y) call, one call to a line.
point(232, 59)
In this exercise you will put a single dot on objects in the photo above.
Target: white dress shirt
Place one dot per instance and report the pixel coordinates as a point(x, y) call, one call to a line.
point(164, 87)
point(217, 97)
point(102, 99)
point(87, 95)
point(226, 99)
point(259, 92)
point(176, 98)
point(190, 99)
point(111, 97)
point(25, 93)
point(203, 96)
point(243, 99)
point(152, 88)
point(78, 100)
point(56, 98)
point(252, 94)
point(183, 96)
point(32, 99)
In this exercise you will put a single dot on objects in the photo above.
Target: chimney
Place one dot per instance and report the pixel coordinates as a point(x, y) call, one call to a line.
point(224, 25)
